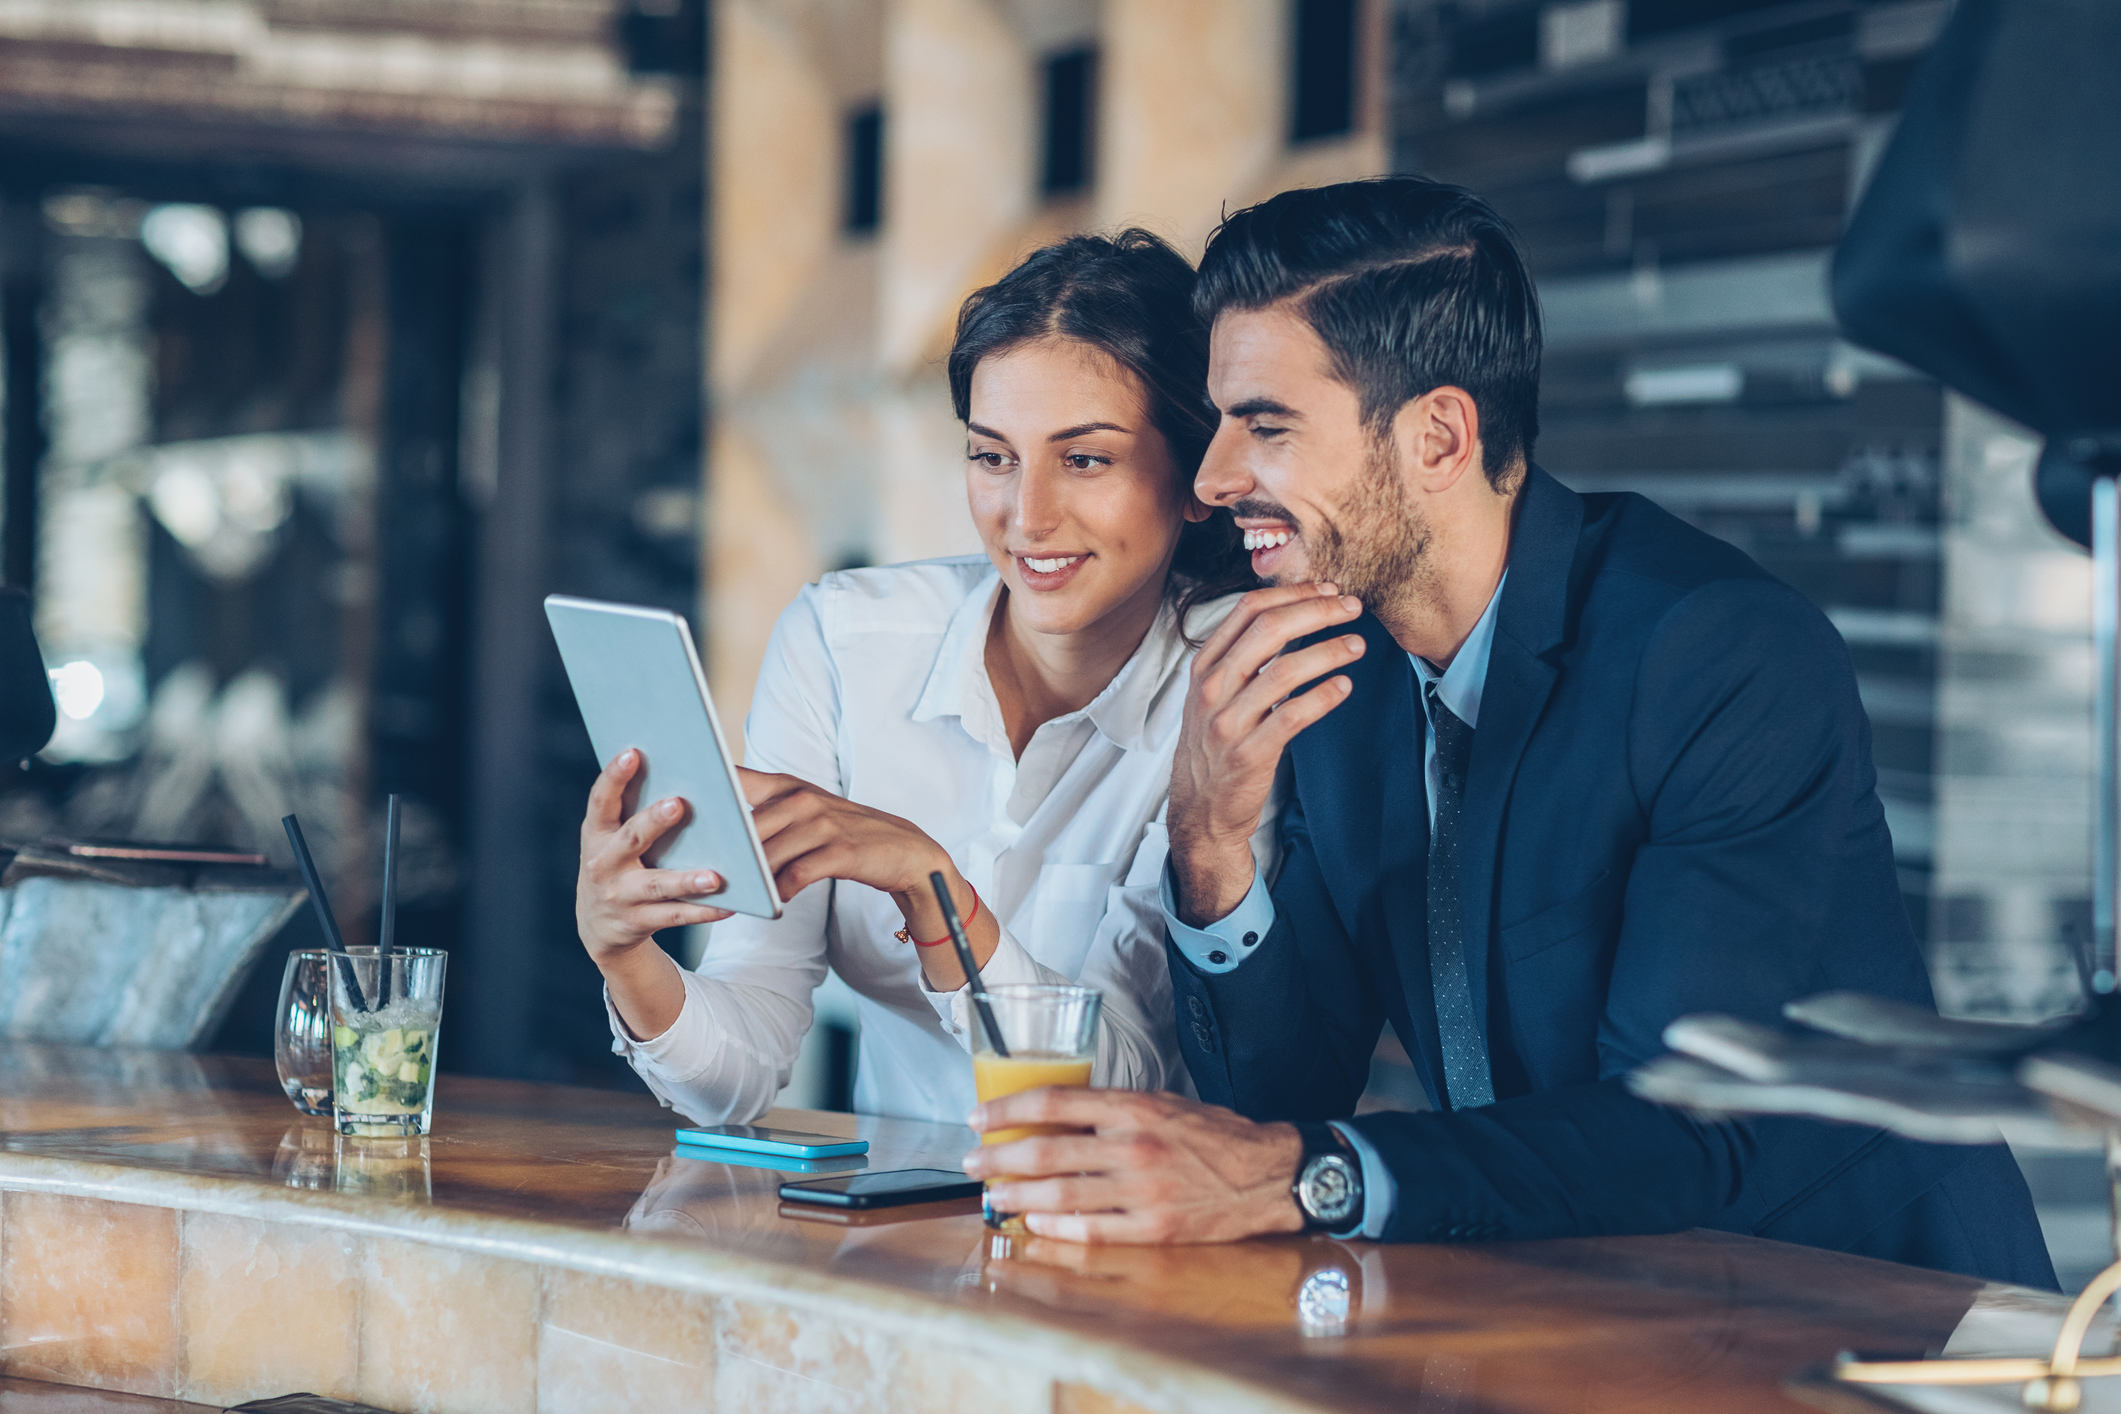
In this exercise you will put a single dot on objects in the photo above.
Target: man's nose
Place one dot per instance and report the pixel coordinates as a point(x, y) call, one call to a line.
point(1222, 477)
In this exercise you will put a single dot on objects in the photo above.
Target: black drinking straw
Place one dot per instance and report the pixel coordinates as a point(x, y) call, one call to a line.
point(315, 882)
point(390, 901)
point(980, 1001)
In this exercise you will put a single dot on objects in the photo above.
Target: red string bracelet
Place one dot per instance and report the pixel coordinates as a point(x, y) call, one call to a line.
point(905, 935)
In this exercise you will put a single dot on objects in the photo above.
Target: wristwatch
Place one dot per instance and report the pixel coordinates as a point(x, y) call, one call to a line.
point(1328, 1186)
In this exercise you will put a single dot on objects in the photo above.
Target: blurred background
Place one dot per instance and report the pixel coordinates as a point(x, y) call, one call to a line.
point(336, 333)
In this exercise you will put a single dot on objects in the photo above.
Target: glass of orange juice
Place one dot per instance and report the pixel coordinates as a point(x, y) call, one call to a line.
point(1050, 1032)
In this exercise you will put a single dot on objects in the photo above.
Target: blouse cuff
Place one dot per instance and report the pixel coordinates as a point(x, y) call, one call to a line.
point(679, 1054)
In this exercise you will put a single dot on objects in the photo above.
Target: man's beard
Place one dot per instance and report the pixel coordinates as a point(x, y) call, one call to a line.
point(1376, 544)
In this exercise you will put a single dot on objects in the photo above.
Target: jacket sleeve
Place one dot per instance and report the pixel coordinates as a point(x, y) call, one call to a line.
point(1288, 1035)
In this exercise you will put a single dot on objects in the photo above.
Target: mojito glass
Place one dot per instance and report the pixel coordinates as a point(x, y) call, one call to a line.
point(386, 1015)
point(1051, 1034)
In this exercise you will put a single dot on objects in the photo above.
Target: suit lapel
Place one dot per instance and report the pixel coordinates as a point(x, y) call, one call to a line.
point(1531, 621)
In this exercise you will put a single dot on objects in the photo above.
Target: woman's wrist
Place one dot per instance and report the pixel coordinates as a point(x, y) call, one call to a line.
point(645, 989)
point(923, 915)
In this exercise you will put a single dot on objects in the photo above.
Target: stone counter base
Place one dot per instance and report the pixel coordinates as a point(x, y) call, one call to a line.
point(218, 1309)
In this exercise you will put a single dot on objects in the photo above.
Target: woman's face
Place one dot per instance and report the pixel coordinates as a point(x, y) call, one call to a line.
point(1072, 487)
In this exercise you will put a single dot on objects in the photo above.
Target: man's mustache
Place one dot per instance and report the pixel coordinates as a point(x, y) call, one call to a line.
point(1255, 508)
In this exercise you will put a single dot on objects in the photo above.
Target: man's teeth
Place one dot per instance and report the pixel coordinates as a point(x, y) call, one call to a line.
point(1050, 566)
point(1267, 539)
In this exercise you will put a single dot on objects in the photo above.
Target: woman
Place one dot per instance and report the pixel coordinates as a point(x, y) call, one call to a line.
point(1007, 720)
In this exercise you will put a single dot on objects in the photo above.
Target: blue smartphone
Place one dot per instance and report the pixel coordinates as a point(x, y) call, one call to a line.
point(757, 1139)
point(737, 1159)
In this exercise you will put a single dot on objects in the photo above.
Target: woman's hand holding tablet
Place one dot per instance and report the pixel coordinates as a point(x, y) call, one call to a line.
point(620, 901)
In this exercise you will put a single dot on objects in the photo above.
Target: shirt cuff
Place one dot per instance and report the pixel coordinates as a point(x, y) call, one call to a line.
point(1380, 1190)
point(678, 1053)
point(1009, 962)
point(1229, 940)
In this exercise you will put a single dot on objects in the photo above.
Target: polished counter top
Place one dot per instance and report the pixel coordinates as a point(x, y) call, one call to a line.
point(588, 1180)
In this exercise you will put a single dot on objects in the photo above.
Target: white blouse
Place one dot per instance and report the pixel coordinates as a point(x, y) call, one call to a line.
point(875, 687)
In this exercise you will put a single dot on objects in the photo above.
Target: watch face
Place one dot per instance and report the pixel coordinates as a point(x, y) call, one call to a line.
point(1327, 1189)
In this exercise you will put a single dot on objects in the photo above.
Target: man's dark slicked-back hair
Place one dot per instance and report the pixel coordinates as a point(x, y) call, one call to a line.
point(1410, 284)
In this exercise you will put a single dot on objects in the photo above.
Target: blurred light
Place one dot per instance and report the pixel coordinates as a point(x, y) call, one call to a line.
point(1843, 377)
point(89, 212)
point(1620, 159)
point(1695, 383)
point(270, 239)
point(254, 494)
point(192, 241)
point(78, 688)
point(667, 513)
point(186, 501)
point(1581, 33)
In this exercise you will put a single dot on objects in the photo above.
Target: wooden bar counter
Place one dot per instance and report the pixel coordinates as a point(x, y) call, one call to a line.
point(169, 1226)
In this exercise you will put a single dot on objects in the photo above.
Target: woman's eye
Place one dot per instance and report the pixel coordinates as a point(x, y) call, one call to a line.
point(993, 461)
point(1084, 461)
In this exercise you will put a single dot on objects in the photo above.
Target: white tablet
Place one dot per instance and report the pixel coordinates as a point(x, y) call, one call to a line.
point(638, 681)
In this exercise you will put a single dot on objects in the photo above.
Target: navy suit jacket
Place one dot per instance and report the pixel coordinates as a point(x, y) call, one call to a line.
point(1671, 808)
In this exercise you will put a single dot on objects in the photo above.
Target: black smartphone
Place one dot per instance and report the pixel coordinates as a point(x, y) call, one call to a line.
point(887, 1189)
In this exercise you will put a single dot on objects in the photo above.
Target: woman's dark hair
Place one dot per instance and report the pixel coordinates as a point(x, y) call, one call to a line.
point(1130, 296)
point(1410, 284)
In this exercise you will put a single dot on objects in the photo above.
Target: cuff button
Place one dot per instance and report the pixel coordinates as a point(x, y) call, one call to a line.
point(1218, 957)
point(1251, 940)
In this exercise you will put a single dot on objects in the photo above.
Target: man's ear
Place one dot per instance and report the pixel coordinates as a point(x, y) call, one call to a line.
point(1437, 436)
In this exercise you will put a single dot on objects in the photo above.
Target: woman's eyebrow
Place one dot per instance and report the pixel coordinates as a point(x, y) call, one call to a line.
point(978, 431)
point(1084, 428)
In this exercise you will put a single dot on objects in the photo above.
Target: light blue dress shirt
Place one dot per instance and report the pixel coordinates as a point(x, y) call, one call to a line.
point(1224, 945)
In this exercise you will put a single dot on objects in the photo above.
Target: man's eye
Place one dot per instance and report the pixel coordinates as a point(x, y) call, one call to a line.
point(1266, 433)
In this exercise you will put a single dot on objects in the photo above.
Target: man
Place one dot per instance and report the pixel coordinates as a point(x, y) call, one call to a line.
point(1563, 769)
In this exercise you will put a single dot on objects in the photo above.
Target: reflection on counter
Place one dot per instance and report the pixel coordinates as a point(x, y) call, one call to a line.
point(399, 1169)
point(1324, 1302)
point(313, 1157)
point(304, 1158)
point(1318, 1288)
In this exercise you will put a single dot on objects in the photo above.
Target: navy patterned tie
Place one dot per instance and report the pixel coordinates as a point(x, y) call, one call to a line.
point(1465, 1047)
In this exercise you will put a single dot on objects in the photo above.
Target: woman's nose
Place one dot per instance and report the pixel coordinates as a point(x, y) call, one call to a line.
point(1038, 502)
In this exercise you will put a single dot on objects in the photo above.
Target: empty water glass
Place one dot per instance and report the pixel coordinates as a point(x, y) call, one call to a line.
point(301, 1043)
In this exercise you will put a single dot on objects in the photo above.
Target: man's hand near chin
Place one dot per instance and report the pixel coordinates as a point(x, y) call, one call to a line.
point(1156, 1168)
point(1239, 717)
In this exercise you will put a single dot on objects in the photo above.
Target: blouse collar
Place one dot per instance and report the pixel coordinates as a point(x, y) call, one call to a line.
point(958, 685)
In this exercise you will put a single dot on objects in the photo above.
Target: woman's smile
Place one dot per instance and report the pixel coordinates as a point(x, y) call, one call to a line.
point(1046, 573)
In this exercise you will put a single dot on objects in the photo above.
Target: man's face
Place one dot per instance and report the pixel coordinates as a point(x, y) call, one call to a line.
point(1318, 497)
